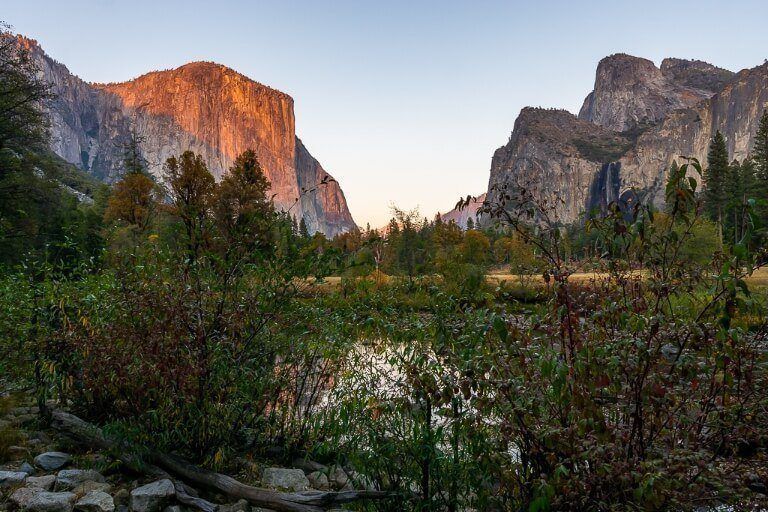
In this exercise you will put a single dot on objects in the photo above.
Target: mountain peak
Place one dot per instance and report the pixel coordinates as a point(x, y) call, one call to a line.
point(203, 74)
point(631, 91)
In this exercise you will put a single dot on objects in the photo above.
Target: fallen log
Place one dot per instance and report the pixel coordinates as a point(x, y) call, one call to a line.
point(309, 501)
point(86, 433)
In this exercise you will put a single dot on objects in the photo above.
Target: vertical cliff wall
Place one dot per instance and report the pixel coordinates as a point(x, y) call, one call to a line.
point(202, 106)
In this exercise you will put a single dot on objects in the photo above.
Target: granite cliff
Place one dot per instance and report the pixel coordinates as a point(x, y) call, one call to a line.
point(636, 121)
point(631, 92)
point(202, 106)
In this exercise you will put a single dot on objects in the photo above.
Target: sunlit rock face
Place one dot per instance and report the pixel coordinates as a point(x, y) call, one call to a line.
point(639, 118)
point(205, 107)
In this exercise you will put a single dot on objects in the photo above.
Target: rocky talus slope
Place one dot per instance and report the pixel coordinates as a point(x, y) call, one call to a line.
point(638, 119)
point(202, 106)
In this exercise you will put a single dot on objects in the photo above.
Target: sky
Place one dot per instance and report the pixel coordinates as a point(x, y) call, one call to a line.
point(403, 102)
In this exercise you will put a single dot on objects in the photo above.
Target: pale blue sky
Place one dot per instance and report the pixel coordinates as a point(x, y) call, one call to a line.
point(403, 102)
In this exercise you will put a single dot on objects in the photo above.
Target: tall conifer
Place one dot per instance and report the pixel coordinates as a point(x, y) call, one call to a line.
point(715, 179)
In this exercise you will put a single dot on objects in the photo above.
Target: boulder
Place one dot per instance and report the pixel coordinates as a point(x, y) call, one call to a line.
point(44, 501)
point(359, 481)
point(90, 486)
point(309, 466)
point(283, 478)
point(21, 496)
point(68, 479)
point(122, 496)
point(96, 501)
point(45, 483)
point(338, 478)
point(152, 497)
point(27, 468)
point(319, 480)
point(240, 506)
point(52, 461)
point(12, 478)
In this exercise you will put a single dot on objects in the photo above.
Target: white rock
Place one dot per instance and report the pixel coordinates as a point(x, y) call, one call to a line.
point(22, 496)
point(96, 501)
point(45, 483)
point(152, 497)
point(11, 478)
point(44, 501)
point(283, 478)
point(52, 461)
point(68, 479)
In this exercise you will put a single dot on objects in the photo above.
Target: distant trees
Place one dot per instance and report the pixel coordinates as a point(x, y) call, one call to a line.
point(407, 248)
point(735, 189)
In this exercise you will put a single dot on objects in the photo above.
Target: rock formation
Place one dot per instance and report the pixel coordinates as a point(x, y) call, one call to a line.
point(461, 216)
point(556, 155)
point(635, 123)
point(630, 91)
point(202, 106)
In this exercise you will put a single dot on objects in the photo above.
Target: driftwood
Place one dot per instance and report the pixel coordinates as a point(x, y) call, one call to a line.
point(309, 501)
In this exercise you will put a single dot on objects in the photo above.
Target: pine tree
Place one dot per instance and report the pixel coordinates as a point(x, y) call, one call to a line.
point(715, 179)
point(303, 230)
point(133, 159)
point(760, 158)
point(760, 148)
point(470, 224)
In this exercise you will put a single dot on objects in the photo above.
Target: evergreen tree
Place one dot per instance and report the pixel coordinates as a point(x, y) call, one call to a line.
point(715, 179)
point(760, 148)
point(133, 159)
point(303, 230)
point(760, 158)
point(470, 223)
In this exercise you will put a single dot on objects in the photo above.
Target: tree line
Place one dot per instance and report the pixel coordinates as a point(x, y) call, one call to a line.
point(731, 187)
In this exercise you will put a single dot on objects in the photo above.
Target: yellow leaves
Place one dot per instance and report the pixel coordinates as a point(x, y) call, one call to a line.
point(218, 457)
